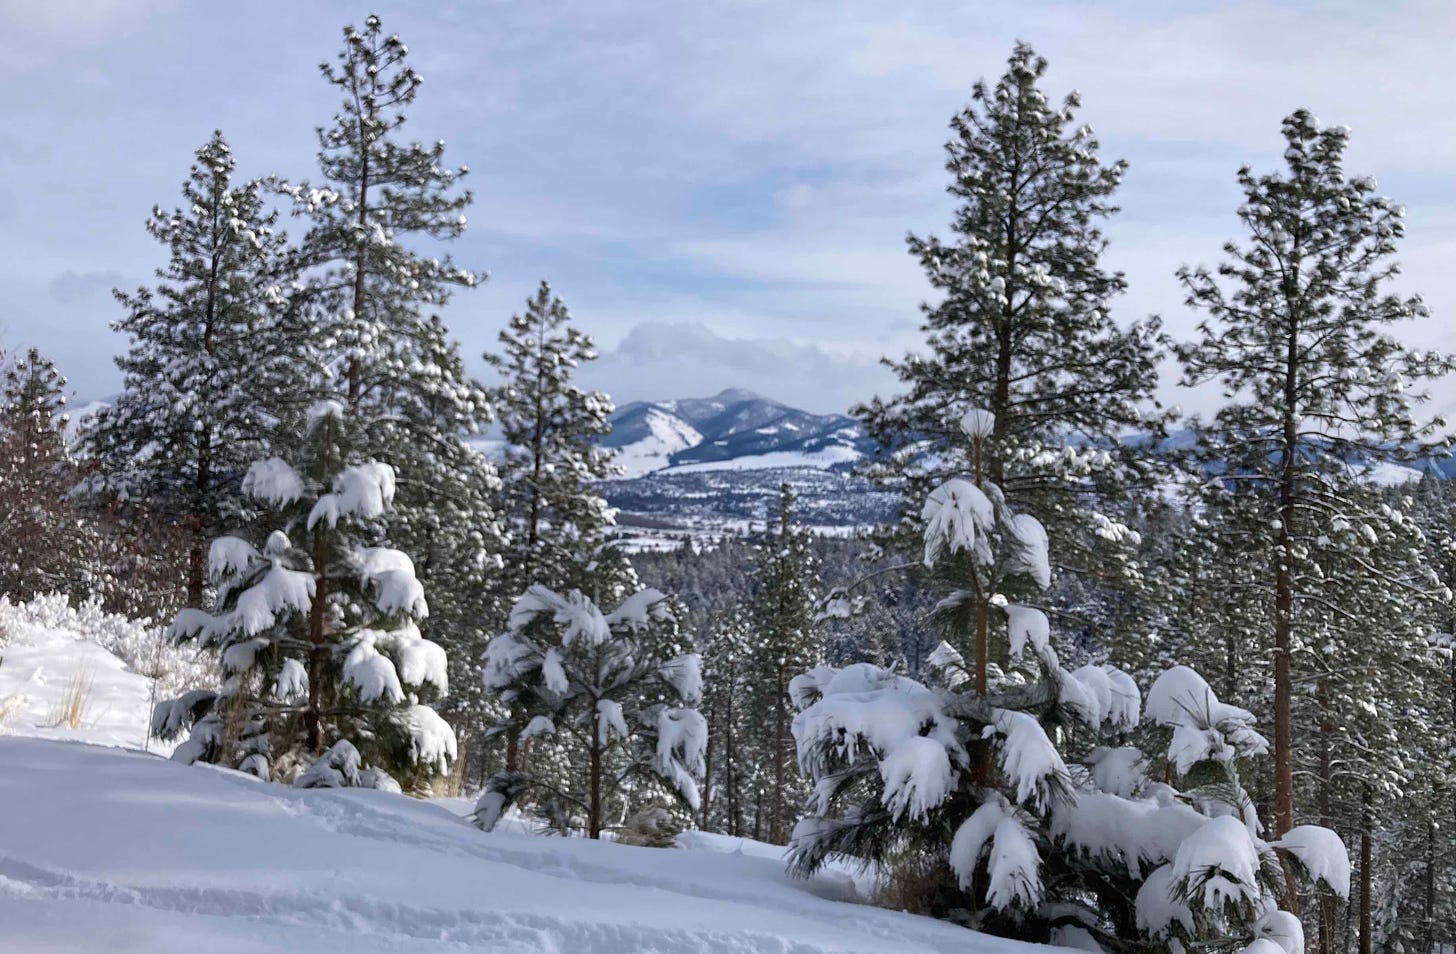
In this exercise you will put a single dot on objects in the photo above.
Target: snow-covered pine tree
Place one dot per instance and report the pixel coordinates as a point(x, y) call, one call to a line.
point(213, 362)
point(551, 427)
point(1024, 328)
point(373, 296)
point(787, 641)
point(1315, 390)
point(325, 676)
point(620, 712)
point(46, 536)
point(730, 770)
point(1084, 849)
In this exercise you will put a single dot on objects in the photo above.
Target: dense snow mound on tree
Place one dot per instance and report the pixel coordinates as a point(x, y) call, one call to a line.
point(106, 848)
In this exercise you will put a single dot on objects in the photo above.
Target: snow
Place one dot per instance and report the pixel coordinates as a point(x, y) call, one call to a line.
point(363, 491)
point(1025, 623)
point(432, 741)
point(685, 674)
point(1322, 854)
point(970, 841)
point(666, 435)
point(918, 775)
point(229, 556)
point(265, 868)
point(43, 667)
point(1015, 879)
point(978, 423)
point(957, 515)
point(1029, 759)
point(1203, 727)
point(273, 481)
point(1030, 553)
point(1218, 864)
point(825, 458)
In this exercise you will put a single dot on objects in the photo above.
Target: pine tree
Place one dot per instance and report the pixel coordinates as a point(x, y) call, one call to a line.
point(325, 678)
point(1083, 849)
point(388, 357)
point(551, 428)
point(46, 536)
point(787, 641)
point(730, 767)
point(1024, 327)
point(607, 690)
point(1314, 388)
point(211, 366)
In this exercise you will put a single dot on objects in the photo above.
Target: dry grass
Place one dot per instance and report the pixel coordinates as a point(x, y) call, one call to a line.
point(70, 712)
point(918, 883)
point(9, 706)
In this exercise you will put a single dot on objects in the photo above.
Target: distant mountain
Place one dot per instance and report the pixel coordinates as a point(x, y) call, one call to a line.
point(732, 430)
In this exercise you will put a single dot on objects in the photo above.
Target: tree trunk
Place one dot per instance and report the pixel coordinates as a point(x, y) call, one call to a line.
point(594, 802)
point(1366, 821)
point(985, 773)
point(776, 819)
point(706, 807)
point(1284, 613)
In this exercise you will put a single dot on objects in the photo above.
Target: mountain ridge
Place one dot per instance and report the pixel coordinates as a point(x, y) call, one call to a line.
point(733, 429)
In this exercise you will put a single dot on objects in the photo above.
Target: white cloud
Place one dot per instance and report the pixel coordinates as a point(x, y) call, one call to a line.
point(661, 360)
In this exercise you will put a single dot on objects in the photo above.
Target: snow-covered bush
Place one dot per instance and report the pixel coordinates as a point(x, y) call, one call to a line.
point(323, 665)
point(614, 717)
point(1021, 778)
point(140, 644)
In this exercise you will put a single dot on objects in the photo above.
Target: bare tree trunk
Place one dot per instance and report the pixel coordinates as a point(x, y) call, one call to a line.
point(705, 809)
point(1284, 615)
point(594, 799)
point(1366, 822)
point(776, 818)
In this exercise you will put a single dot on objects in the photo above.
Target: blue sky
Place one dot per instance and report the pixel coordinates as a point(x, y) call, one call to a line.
point(719, 191)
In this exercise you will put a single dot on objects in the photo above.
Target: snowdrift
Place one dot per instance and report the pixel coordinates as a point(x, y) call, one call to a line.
point(114, 849)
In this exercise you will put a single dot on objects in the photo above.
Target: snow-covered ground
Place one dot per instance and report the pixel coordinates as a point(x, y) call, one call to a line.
point(57, 682)
point(113, 849)
point(105, 847)
point(666, 435)
point(823, 459)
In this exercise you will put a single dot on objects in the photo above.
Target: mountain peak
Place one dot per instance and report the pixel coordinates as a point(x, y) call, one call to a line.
point(735, 395)
point(736, 428)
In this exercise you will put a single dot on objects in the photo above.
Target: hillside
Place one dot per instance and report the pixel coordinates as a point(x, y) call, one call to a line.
point(736, 429)
point(113, 849)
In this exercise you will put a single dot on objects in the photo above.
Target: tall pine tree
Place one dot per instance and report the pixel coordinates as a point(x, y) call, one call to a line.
point(551, 427)
point(1315, 390)
point(787, 641)
point(212, 365)
point(46, 536)
point(1024, 327)
point(376, 280)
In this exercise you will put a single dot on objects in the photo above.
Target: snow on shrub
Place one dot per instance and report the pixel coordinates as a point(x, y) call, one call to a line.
point(140, 644)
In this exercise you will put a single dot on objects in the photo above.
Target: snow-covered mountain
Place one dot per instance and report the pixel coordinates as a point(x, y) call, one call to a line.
point(733, 430)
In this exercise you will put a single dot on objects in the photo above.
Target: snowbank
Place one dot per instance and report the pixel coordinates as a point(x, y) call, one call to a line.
point(111, 849)
point(72, 673)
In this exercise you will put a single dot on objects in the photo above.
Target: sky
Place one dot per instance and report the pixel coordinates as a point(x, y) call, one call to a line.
point(719, 191)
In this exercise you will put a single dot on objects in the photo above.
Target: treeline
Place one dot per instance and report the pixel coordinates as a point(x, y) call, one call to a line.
point(1264, 553)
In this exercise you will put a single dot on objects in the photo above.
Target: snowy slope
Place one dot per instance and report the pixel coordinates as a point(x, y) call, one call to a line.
point(49, 660)
point(823, 458)
point(656, 436)
point(116, 850)
point(736, 428)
